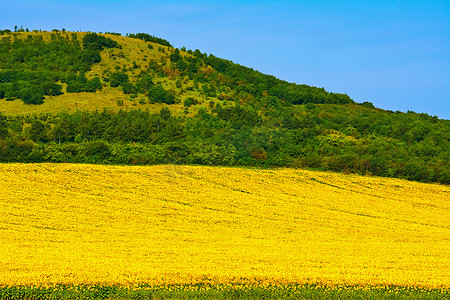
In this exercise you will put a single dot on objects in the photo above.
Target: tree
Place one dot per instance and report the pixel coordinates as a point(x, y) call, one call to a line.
point(31, 95)
point(189, 101)
point(59, 132)
point(3, 126)
point(51, 89)
point(98, 149)
point(95, 42)
point(175, 56)
point(91, 57)
point(165, 113)
point(118, 78)
point(37, 131)
point(93, 85)
point(159, 94)
point(144, 83)
point(75, 87)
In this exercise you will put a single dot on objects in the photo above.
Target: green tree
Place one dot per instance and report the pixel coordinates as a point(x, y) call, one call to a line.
point(158, 94)
point(118, 78)
point(95, 42)
point(37, 131)
point(51, 89)
point(93, 85)
point(31, 95)
point(3, 127)
point(59, 132)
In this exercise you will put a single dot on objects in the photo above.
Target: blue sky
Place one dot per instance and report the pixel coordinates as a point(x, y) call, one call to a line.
point(395, 54)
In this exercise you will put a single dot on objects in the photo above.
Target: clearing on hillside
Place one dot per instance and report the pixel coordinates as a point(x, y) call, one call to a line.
point(67, 223)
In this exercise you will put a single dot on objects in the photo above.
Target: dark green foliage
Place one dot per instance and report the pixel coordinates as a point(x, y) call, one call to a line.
point(128, 88)
point(165, 113)
point(309, 105)
point(81, 84)
point(75, 87)
point(175, 56)
point(189, 101)
point(150, 38)
point(33, 54)
point(96, 149)
point(118, 78)
point(158, 94)
point(96, 42)
point(31, 95)
point(259, 120)
point(93, 85)
point(113, 33)
point(51, 89)
point(252, 82)
point(33, 68)
point(367, 104)
point(178, 61)
point(239, 116)
point(221, 291)
point(3, 127)
point(38, 131)
point(91, 57)
point(329, 137)
point(144, 83)
point(3, 31)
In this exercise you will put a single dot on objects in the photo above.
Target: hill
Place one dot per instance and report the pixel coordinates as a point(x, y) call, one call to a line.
point(138, 68)
point(105, 98)
point(69, 223)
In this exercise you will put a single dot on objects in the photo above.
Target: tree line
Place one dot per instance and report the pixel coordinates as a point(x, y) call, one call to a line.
point(349, 139)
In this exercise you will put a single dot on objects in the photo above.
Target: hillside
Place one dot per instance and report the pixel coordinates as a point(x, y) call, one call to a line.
point(109, 99)
point(133, 68)
point(69, 223)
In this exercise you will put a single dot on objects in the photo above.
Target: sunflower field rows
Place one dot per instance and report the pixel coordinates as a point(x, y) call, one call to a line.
point(70, 224)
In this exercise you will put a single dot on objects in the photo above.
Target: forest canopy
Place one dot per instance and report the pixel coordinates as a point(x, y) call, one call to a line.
point(325, 137)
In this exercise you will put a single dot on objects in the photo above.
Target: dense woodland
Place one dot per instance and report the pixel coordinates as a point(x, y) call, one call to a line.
point(250, 119)
point(333, 137)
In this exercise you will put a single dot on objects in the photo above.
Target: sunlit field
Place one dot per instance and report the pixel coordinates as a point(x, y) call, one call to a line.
point(165, 225)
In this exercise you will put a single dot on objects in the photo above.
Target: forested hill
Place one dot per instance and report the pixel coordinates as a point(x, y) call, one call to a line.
point(36, 65)
point(106, 98)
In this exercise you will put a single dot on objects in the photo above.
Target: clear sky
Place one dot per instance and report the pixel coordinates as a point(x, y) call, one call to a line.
point(395, 54)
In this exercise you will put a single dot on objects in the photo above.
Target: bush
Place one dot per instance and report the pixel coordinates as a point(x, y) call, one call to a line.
point(91, 57)
point(159, 94)
point(190, 101)
point(97, 148)
point(51, 89)
point(31, 96)
point(95, 42)
point(75, 87)
point(93, 85)
point(117, 78)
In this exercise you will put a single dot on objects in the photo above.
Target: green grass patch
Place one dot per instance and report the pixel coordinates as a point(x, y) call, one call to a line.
point(220, 291)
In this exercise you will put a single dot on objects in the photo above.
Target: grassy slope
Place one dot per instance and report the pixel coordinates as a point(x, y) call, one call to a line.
point(181, 224)
point(133, 50)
